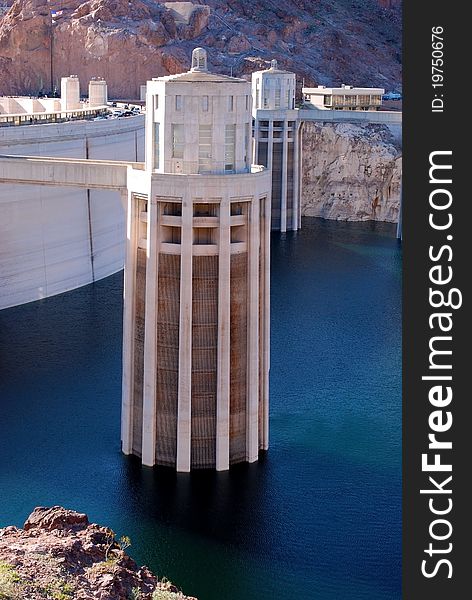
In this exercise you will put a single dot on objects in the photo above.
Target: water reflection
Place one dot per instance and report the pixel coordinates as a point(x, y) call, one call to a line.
point(222, 506)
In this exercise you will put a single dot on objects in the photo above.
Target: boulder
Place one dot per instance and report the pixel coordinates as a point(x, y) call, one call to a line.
point(58, 550)
point(55, 517)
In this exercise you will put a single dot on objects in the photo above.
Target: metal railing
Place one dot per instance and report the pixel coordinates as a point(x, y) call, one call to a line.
point(7, 120)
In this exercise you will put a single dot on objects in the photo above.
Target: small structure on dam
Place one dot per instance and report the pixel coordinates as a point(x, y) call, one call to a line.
point(70, 93)
point(26, 110)
point(196, 325)
point(98, 92)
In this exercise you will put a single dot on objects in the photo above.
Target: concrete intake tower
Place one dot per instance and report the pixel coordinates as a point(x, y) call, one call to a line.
point(196, 308)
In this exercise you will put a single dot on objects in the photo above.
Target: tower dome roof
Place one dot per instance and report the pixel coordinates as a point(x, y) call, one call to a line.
point(199, 60)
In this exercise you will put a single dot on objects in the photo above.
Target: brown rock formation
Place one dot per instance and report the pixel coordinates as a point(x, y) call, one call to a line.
point(59, 554)
point(350, 172)
point(25, 47)
point(323, 41)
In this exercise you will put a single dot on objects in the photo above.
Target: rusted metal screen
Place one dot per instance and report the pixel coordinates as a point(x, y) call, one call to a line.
point(238, 357)
point(262, 154)
point(290, 181)
point(277, 163)
point(139, 351)
point(204, 360)
point(167, 342)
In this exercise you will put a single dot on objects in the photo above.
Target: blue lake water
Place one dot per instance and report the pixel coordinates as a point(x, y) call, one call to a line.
point(319, 517)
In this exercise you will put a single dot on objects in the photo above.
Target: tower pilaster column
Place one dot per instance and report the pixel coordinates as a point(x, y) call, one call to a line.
point(296, 171)
point(252, 406)
point(129, 295)
point(223, 353)
point(150, 333)
point(299, 173)
point(266, 325)
point(270, 145)
point(184, 410)
point(255, 142)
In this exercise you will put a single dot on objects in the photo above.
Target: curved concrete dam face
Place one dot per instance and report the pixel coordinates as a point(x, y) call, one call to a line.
point(57, 239)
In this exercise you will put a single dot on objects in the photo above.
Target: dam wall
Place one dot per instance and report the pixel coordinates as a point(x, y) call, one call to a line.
point(56, 239)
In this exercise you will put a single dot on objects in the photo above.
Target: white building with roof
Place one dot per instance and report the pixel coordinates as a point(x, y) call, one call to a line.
point(345, 97)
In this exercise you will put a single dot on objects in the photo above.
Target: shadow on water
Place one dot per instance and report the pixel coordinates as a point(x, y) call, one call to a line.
point(206, 503)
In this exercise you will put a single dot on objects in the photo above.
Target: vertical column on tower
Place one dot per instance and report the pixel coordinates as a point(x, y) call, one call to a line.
point(265, 320)
point(129, 299)
point(223, 352)
point(150, 332)
point(300, 171)
point(296, 176)
point(270, 164)
point(252, 406)
point(184, 402)
point(255, 142)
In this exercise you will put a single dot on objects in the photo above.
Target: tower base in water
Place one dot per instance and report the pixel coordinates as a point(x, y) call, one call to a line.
point(196, 316)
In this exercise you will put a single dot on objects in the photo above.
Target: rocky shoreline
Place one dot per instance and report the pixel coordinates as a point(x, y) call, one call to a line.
point(60, 555)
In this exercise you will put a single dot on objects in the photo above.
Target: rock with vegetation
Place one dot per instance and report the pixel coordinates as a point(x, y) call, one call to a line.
point(59, 555)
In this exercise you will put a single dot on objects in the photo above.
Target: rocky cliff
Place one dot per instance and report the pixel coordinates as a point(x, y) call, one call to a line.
point(59, 555)
point(127, 43)
point(350, 172)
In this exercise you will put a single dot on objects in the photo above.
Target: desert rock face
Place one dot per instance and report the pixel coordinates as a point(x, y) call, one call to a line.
point(127, 43)
point(350, 172)
point(25, 46)
point(59, 554)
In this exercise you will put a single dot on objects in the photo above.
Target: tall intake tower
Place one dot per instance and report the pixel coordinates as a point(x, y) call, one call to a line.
point(277, 142)
point(196, 312)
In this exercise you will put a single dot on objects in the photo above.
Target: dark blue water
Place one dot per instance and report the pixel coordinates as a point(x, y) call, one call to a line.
point(318, 518)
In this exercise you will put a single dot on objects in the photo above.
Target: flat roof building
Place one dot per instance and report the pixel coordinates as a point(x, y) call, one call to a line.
point(345, 97)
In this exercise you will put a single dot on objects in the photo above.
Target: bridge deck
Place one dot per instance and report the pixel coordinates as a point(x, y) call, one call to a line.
point(70, 172)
